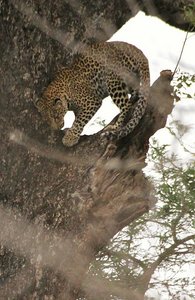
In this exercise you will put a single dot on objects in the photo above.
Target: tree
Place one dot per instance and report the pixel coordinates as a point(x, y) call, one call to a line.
point(57, 210)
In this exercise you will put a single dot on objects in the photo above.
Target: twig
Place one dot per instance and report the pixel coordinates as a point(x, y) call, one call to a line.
point(181, 53)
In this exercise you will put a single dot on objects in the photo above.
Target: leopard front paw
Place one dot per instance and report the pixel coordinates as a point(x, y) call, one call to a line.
point(70, 139)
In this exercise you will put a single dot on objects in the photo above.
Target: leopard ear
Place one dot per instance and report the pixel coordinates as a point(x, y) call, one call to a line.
point(39, 105)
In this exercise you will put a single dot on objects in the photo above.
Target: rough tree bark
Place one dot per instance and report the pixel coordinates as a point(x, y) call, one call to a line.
point(59, 206)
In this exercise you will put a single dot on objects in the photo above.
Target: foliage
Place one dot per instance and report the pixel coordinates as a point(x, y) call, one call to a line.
point(184, 85)
point(160, 243)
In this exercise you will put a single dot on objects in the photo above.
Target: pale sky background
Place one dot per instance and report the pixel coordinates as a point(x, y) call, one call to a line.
point(162, 45)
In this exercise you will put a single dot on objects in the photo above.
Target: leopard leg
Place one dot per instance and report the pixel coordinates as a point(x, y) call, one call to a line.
point(82, 117)
point(119, 94)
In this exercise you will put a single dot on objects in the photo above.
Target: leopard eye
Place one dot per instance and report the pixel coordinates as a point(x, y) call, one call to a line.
point(57, 101)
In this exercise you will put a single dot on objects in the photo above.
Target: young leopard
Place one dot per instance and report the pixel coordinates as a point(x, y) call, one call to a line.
point(108, 68)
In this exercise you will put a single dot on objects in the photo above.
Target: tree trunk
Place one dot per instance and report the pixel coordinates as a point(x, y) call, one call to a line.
point(60, 206)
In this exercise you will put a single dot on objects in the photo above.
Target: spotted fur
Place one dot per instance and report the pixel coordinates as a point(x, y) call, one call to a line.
point(108, 68)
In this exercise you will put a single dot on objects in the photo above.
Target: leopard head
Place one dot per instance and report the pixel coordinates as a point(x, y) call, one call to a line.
point(53, 106)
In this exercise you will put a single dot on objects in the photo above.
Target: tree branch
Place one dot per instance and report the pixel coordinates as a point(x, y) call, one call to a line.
point(146, 276)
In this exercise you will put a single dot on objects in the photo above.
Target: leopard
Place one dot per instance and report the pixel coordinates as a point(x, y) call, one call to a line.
point(116, 69)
